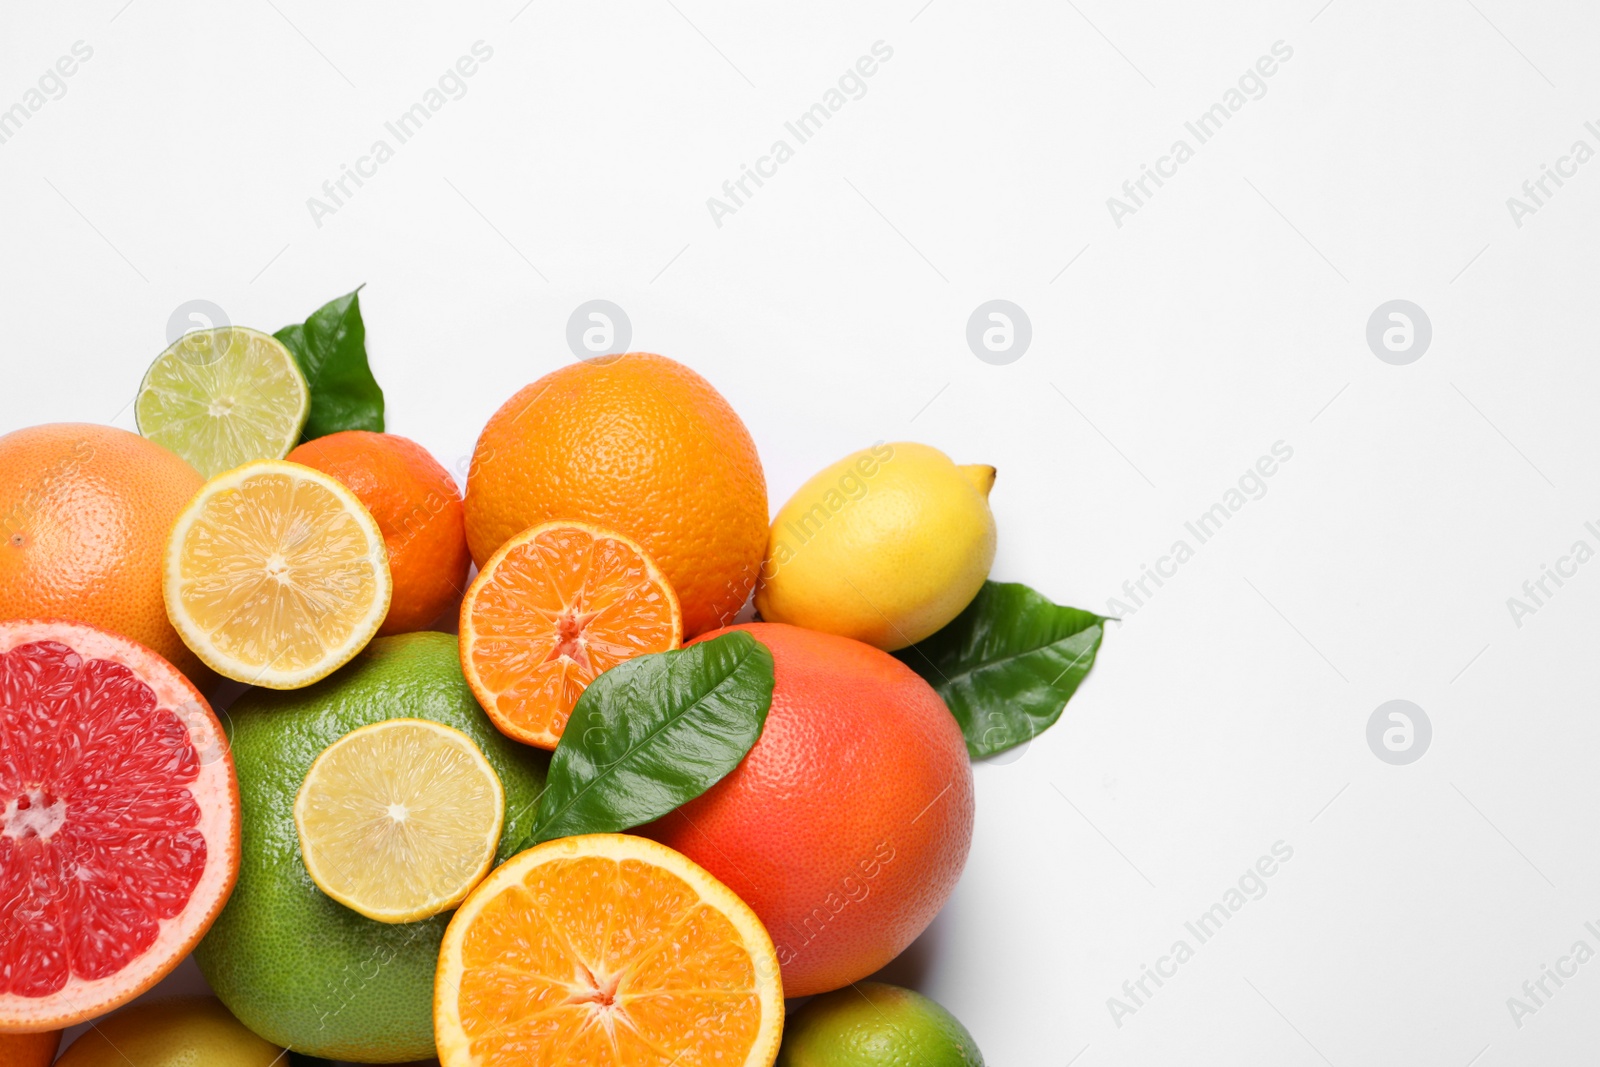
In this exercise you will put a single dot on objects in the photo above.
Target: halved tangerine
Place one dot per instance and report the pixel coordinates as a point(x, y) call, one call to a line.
point(555, 606)
point(119, 822)
point(610, 951)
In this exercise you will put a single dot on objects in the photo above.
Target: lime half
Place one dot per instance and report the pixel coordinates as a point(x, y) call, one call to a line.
point(223, 397)
point(400, 819)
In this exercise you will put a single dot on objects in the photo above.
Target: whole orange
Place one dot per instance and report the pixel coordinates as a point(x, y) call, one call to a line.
point(85, 512)
point(418, 508)
point(847, 825)
point(29, 1050)
point(641, 445)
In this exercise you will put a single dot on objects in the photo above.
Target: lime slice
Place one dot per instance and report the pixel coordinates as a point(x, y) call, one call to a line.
point(399, 820)
point(223, 397)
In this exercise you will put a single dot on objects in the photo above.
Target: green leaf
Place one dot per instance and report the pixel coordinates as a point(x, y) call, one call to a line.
point(331, 348)
point(1008, 664)
point(654, 732)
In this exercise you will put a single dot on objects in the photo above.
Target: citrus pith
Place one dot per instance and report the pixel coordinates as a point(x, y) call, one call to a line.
point(398, 820)
point(119, 822)
point(223, 397)
point(276, 574)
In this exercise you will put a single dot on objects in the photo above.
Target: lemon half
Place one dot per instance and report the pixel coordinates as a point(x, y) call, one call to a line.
point(399, 820)
point(276, 575)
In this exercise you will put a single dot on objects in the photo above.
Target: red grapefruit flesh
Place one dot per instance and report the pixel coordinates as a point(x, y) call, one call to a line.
point(119, 822)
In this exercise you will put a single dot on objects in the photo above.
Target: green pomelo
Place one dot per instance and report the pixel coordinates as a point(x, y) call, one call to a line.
point(872, 1024)
point(295, 966)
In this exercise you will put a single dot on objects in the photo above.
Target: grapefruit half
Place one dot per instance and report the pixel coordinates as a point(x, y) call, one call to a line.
point(119, 822)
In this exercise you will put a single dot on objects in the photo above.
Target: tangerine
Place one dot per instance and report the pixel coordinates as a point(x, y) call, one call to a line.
point(417, 507)
point(554, 606)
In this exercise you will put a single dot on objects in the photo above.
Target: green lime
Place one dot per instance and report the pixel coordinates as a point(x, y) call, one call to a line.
point(871, 1024)
point(223, 397)
point(180, 1032)
point(295, 965)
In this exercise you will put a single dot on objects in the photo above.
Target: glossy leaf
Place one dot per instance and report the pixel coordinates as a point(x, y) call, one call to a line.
point(654, 732)
point(1008, 664)
point(331, 348)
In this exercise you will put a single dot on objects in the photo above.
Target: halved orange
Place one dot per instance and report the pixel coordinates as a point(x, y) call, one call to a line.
point(556, 605)
point(610, 951)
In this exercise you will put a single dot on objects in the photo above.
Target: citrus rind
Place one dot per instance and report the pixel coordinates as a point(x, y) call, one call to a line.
point(356, 886)
point(454, 1043)
point(222, 397)
point(470, 635)
point(362, 623)
point(216, 794)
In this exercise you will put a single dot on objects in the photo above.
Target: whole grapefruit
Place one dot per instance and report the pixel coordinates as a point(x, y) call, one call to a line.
point(417, 506)
point(847, 825)
point(84, 515)
point(641, 445)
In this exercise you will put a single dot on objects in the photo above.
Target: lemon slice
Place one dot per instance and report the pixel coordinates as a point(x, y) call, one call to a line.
point(223, 397)
point(399, 820)
point(276, 575)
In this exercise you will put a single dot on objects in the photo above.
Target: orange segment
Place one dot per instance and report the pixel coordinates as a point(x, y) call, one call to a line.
point(553, 608)
point(610, 951)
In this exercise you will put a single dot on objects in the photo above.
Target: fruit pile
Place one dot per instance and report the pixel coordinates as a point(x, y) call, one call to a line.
point(570, 807)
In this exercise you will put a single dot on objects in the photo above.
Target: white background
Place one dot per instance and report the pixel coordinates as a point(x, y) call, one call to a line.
point(1168, 354)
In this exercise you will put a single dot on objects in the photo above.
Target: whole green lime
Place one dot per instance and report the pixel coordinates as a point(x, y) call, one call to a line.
point(872, 1024)
point(179, 1032)
point(294, 965)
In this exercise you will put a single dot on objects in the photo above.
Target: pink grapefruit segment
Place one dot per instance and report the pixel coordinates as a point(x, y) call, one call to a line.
point(119, 822)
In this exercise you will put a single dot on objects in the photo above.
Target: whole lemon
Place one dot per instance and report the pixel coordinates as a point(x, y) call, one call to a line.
point(180, 1032)
point(886, 546)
